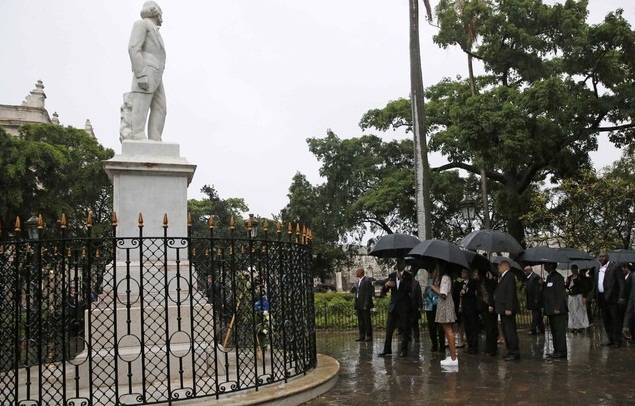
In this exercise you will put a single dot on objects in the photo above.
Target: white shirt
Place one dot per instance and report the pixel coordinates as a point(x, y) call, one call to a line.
point(359, 283)
point(601, 273)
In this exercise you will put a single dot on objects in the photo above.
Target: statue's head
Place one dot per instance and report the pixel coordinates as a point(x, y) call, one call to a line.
point(151, 9)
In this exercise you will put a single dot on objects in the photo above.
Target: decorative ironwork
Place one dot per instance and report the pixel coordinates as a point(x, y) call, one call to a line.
point(108, 320)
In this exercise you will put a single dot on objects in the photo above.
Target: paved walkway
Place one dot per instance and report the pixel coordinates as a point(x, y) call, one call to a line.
point(593, 375)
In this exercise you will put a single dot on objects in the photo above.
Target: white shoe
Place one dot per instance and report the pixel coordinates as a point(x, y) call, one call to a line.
point(449, 362)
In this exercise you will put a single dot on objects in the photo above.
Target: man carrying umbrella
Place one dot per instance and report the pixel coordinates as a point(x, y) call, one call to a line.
point(506, 305)
point(555, 304)
point(400, 310)
point(533, 288)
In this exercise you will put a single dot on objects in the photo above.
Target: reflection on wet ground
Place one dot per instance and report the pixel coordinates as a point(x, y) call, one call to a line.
point(592, 375)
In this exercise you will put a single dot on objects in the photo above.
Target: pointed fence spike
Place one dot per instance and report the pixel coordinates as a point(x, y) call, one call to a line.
point(210, 222)
point(165, 220)
point(18, 224)
point(63, 221)
point(140, 221)
point(189, 219)
point(89, 219)
point(40, 222)
point(113, 219)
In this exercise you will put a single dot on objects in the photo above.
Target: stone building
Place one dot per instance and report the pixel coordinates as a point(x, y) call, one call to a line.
point(31, 111)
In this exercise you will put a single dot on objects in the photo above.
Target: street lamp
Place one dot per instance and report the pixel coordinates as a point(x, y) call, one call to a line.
point(468, 210)
point(254, 226)
point(31, 226)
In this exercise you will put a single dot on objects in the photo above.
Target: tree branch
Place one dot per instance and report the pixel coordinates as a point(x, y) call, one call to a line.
point(617, 127)
point(470, 168)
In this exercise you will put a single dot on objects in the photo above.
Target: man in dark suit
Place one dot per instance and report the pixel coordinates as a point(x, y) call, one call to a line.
point(417, 308)
point(555, 304)
point(533, 288)
point(506, 305)
point(628, 325)
point(400, 311)
point(609, 288)
point(363, 304)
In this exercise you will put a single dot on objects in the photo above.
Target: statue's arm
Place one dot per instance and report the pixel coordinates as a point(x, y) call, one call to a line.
point(135, 46)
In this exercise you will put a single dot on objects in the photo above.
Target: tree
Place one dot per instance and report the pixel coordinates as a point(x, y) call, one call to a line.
point(419, 129)
point(554, 83)
point(593, 211)
point(221, 209)
point(50, 170)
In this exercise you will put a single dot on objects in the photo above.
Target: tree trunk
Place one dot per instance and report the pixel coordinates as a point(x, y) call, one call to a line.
point(423, 175)
point(486, 222)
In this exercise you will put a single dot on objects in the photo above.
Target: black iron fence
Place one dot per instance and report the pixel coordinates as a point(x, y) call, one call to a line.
point(110, 321)
point(344, 318)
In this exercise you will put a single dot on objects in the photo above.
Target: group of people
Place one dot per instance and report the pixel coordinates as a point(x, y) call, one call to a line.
point(488, 301)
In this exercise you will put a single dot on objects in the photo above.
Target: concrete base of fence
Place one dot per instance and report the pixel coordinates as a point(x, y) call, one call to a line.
point(296, 391)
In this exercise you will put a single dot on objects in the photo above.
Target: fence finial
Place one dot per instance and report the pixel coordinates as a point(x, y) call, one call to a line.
point(40, 222)
point(89, 219)
point(18, 224)
point(232, 223)
point(63, 221)
point(189, 219)
point(289, 229)
point(165, 220)
point(278, 227)
point(140, 221)
point(113, 219)
point(210, 222)
point(265, 225)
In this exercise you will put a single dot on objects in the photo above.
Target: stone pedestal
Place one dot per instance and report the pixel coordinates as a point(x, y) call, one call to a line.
point(150, 177)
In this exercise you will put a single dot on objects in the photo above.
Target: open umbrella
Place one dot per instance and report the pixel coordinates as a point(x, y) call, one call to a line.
point(491, 241)
point(441, 250)
point(622, 255)
point(477, 261)
point(394, 246)
point(543, 255)
point(514, 266)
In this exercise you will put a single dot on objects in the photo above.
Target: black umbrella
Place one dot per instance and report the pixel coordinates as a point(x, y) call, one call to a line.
point(440, 250)
point(622, 255)
point(582, 264)
point(394, 246)
point(491, 241)
point(514, 266)
point(477, 261)
point(544, 255)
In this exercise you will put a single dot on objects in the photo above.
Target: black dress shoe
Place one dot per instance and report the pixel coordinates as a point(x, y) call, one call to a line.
point(359, 340)
point(403, 354)
point(609, 344)
point(533, 333)
point(512, 357)
point(434, 348)
point(558, 355)
point(384, 354)
point(369, 339)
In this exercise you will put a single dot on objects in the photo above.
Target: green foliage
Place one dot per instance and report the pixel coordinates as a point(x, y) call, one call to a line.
point(51, 170)
point(593, 211)
point(221, 209)
point(553, 84)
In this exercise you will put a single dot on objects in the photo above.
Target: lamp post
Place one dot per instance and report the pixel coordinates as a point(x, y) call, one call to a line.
point(468, 210)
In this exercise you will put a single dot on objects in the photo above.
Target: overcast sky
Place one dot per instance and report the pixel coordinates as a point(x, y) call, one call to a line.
point(247, 81)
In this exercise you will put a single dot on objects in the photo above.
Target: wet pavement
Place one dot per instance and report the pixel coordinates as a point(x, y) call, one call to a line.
point(592, 375)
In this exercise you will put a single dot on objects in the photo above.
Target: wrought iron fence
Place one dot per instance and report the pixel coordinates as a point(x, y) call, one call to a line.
point(106, 320)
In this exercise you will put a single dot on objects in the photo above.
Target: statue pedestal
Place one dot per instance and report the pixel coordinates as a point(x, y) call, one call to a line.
point(150, 177)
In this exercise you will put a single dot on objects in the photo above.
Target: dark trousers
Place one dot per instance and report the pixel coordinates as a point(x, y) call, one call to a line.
point(401, 322)
point(364, 323)
point(490, 321)
point(558, 324)
point(537, 321)
point(437, 337)
point(511, 334)
point(611, 318)
point(415, 326)
point(471, 324)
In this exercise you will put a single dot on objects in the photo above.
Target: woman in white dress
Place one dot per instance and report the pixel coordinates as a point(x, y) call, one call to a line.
point(446, 315)
point(577, 288)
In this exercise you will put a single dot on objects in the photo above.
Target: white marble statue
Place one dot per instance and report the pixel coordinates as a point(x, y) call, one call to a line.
point(147, 55)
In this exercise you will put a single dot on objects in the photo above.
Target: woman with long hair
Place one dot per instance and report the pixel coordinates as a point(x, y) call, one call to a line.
point(446, 315)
